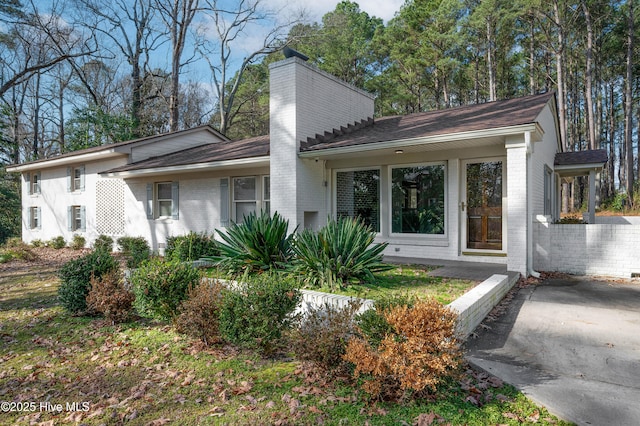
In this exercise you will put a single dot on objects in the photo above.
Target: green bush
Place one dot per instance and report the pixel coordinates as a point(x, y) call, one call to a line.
point(372, 324)
point(199, 314)
point(260, 243)
point(37, 243)
point(103, 242)
point(256, 314)
point(323, 334)
point(134, 249)
point(192, 246)
point(161, 285)
point(15, 248)
point(58, 242)
point(75, 279)
point(340, 253)
point(78, 242)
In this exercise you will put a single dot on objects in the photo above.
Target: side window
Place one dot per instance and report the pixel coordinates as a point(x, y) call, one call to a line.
point(32, 181)
point(75, 179)
point(162, 200)
point(35, 221)
point(548, 191)
point(76, 217)
point(244, 197)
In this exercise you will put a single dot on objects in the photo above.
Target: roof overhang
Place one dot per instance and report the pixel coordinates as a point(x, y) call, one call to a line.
point(190, 168)
point(66, 161)
point(437, 142)
point(573, 170)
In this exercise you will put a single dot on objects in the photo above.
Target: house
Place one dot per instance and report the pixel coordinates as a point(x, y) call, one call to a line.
point(459, 184)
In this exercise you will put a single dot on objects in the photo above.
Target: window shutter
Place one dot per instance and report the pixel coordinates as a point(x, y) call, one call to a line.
point(149, 201)
point(68, 179)
point(39, 213)
point(224, 202)
point(83, 219)
point(27, 180)
point(81, 178)
point(175, 198)
point(70, 218)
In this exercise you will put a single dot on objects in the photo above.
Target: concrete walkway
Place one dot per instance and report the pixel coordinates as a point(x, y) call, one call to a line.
point(571, 345)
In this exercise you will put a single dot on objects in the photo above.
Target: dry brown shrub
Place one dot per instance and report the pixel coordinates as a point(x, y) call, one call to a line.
point(110, 297)
point(421, 352)
point(199, 315)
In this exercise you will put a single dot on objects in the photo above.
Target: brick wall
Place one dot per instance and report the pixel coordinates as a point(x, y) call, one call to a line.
point(593, 249)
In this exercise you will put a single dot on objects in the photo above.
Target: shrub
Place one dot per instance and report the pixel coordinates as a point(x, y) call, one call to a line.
point(341, 252)
point(15, 248)
point(373, 325)
point(260, 243)
point(192, 246)
point(160, 286)
point(323, 334)
point(103, 242)
point(37, 243)
point(75, 277)
point(78, 242)
point(134, 249)
point(109, 297)
point(421, 351)
point(256, 314)
point(199, 314)
point(58, 242)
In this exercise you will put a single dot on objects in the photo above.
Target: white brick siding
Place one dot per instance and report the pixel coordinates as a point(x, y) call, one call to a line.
point(594, 249)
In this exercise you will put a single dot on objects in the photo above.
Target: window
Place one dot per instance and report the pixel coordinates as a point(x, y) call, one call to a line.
point(358, 195)
point(33, 183)
point(162, 200)
point(244, 197)
point(417, 197)
point(548, 191)
point(77, 218)
point(248, 195)
point(35, 218)
point(75, 179)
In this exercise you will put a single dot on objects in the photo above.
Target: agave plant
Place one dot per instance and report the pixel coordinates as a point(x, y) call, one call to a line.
point(341, 252)
point(259, 243)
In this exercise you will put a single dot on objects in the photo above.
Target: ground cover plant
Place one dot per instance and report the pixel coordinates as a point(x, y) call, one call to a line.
point(143, 372)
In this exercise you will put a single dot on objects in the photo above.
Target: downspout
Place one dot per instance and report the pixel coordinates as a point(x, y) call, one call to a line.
point(529, 222)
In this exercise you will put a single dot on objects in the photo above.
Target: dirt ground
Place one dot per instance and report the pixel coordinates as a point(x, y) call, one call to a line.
point(46, 260)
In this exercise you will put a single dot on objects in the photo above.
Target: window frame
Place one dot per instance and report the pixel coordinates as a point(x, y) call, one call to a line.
point(548, 191)
point(77, 217)
point(35, 217)
point(76, 184)
point(259, 195)
point(359, 169)
point(445, 214)
point(157, 200)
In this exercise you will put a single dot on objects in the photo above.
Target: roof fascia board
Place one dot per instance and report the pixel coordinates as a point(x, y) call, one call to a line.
point(65, 161)
point(448, 137)
point(579, 167)
point(186, 168)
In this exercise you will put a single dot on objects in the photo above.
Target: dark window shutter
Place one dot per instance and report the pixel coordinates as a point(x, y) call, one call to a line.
point(224, 202)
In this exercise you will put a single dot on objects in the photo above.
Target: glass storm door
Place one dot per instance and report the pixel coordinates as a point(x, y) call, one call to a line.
point(484, 205)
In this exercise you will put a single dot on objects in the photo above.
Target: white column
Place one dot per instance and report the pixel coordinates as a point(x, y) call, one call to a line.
point(592, 196)
point(516, 214)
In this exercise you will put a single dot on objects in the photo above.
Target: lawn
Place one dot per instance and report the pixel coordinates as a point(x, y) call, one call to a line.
point(60, 369)
point(412, 281)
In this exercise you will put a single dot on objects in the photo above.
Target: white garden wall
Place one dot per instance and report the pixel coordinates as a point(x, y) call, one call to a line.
point(587, 249)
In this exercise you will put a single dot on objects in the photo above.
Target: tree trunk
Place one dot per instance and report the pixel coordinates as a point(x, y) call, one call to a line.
point(490, 63)
point(588, 80)
point(628, 110)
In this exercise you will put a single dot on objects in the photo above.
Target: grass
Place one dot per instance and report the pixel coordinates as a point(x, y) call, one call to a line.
point(144, 373)
point(410, 280)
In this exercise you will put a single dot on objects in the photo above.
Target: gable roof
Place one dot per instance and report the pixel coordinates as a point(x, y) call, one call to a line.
point(114, 149)
point(203, 155)
point(469, 118)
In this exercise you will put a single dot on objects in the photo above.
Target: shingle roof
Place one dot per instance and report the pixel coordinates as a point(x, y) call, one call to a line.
point(592, 156)
point(219, 151)
point(490, 115)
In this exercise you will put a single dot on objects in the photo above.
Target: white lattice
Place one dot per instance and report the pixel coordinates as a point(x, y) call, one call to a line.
point(110, 206)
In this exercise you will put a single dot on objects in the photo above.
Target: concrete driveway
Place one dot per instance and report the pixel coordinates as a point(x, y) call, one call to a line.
point(571, 345)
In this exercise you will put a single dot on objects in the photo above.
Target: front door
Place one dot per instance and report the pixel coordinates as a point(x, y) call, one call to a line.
point(484, 185)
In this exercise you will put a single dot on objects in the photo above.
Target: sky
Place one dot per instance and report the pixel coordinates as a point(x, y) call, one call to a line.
point(384, 9)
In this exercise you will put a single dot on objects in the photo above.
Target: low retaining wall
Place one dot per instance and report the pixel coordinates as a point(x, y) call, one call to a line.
point(473, 306)
point(318, 299)
point(587, 249)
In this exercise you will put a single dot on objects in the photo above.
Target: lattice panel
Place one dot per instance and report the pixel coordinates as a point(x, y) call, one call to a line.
point(110, 206)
